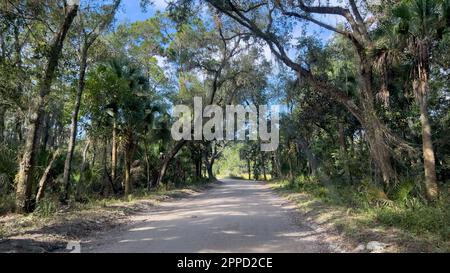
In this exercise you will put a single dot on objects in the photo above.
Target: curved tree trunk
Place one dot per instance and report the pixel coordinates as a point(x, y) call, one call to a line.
point(44, 179)
point(358, 36)
point(74, 124)
point(27, 164)
point(167, 158)
point(87, 41)
point(209, 162)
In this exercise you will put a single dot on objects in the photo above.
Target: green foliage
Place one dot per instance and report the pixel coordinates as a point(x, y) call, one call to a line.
point(46, 208)
point(405, 212)
point(419, 219)
point(231, 164)
point(138, 71)
point(8, 168)
point(92, 183)
point(403, 191)
point(7, 203)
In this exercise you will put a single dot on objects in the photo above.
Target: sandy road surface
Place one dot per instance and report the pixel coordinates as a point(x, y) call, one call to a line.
point(233, 216)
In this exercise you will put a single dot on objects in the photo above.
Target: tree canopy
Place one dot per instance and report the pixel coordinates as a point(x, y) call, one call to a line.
point(86, 101)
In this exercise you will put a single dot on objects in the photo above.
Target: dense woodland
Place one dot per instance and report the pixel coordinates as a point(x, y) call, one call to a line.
point(85, 100)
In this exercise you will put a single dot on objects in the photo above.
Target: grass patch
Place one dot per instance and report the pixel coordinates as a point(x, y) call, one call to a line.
point(431, 221)
point(366, 208)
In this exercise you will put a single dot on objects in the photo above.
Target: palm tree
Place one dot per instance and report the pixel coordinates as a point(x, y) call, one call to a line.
point(420, 25)
point(129, 113)
point(134, 111)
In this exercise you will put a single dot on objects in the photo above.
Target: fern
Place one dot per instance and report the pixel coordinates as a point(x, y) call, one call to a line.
point(403, 190)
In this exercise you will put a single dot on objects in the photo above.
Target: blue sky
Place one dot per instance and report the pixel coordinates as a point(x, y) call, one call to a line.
point(131, 10)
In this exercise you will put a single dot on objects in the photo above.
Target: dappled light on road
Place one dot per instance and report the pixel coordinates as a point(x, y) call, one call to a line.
point(234, 216)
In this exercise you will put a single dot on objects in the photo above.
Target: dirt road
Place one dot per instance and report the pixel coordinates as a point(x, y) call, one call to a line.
point(233, 216)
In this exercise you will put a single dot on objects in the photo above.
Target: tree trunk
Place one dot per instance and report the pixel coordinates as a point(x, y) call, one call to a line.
point(51, 135)
point(365, 113)
point(87, 42)
point(256, 170)
point(147, 164)
point(94, 153)
point(274, 166)
point(167, 158)
point(27, 164)
point(291, 174)
point(249, 169)
point(114, 151)
point(80, 184)
point(314, 164)
point(209, 163)
point(379, 150)
point(18, 128)
point(310, 157)
point(46, 131)
point(421, 91)
point(263, 164)
point(44, 178)
point(198, 168)
point(2, 123)
point(344, 153)
point(196, 158)
point(127, 180)
point(74, 124)
point(209, 170)
point(378, 147)
point(106, 178)
point(129, 151)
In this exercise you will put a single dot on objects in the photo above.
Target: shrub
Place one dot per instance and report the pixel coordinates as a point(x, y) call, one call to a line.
point(405, 210)
point(45, 208)
point(7, 203)
point(425, 219)
point(8, 168)
point(403, 190)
